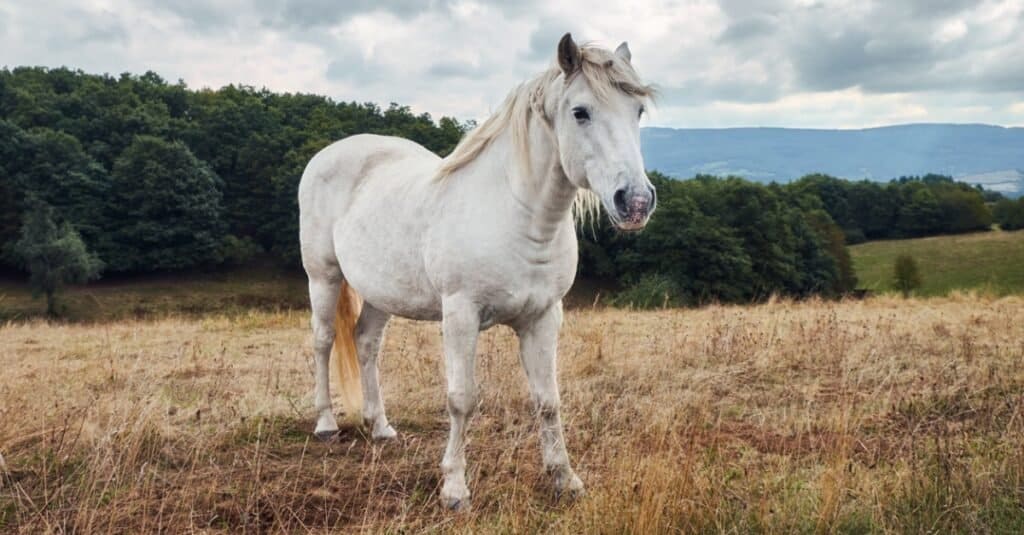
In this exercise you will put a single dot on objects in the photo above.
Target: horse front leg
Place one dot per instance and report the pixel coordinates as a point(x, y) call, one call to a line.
point(538, 343)
point(460, 327)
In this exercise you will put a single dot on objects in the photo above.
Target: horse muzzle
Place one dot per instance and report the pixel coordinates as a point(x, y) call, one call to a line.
point(633, 207)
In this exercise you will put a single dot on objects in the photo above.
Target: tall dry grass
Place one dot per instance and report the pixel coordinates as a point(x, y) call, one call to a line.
point(881, 415)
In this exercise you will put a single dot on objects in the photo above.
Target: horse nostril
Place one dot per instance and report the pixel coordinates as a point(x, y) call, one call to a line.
point(654, 196)
point(620, 202)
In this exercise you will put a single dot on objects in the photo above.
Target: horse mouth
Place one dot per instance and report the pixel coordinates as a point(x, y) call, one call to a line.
point(630, 225)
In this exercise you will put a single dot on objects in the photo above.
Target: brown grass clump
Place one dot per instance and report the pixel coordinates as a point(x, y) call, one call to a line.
point(880, 415)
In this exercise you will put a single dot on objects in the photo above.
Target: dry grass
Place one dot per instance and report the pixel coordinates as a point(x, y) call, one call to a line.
point(881, 415)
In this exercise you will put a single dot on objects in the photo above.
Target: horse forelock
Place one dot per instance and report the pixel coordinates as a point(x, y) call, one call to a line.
point(605, 73)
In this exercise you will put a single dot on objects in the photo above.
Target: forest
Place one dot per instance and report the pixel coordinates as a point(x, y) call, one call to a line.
point(154, 177)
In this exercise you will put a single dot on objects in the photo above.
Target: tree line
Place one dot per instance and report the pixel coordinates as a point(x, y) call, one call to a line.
point(151, 176)
point(158, 177)
point(907, 207)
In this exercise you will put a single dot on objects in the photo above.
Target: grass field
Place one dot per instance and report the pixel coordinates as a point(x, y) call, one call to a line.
point(859, 416)
point(265, 287)
point(988, 262)
point(991, 262)
point(227, 292)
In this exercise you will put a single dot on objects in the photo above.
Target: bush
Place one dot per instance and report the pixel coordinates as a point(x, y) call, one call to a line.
point(907, 276)
point(54, 255)
point(237, 251)
point(651, 291)
point(1009, 214)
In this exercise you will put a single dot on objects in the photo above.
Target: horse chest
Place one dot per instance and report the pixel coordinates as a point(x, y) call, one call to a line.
point(531, 285)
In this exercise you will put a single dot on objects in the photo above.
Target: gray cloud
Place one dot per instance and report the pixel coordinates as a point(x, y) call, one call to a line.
point(199, 15)
point(749, 27)
point(855, 57)
point(544, 39)
point(104, 29)
point(886, 47)
point(697, 92)
point(353, 69)
point(457, 69)
point(934, 8)
point(306, 14)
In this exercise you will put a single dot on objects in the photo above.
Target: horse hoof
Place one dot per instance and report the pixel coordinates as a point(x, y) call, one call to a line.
point(325, 436)
point(388, 433)
point(571, 495)
point(455, 498)
point(458, 505)
point(570, 488)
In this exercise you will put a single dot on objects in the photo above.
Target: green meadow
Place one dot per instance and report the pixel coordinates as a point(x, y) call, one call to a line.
point(991, 262)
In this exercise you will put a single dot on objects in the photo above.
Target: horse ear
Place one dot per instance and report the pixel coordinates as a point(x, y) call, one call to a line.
point(569, 58)
point(623, 51)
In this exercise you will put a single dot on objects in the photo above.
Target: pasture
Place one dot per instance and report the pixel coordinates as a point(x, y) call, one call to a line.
point(856, 416)
point(989, 262)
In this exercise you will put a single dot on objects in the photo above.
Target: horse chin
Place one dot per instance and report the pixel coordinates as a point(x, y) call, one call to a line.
point(629, 227)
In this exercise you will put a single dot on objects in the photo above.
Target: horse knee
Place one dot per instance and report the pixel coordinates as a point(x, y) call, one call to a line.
point(323, 337)
point(461, 404)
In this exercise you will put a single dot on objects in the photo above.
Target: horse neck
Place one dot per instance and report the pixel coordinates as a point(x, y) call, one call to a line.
point(543, 191)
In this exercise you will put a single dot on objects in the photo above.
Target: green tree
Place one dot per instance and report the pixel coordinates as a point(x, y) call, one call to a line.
point(13, 148)
point(54, 255)
point(906, 274)
point(164, 209)
point(834, 242)
point(1009, 214)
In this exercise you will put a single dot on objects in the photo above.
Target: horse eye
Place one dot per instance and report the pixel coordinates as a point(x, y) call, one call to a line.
point(581, 114)
point(641, 114)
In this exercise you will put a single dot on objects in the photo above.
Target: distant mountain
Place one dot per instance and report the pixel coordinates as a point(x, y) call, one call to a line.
point(983, 154)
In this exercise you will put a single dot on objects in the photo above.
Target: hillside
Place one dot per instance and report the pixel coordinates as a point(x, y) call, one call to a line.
point(986, 154)
point(986, 261)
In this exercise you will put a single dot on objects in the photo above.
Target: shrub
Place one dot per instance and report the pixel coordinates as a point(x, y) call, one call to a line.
point(54, 255)
point(238, 251)
point(650, 291)
point(908, 277)
point(1009, 214)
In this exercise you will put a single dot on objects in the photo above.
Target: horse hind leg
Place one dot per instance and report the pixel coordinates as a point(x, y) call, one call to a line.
point(369, 332)
point(323, 298)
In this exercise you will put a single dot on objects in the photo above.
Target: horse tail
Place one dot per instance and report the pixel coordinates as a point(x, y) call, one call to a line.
point(346, 361)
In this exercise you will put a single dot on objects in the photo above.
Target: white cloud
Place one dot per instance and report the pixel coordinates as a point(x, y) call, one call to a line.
point(836, 63)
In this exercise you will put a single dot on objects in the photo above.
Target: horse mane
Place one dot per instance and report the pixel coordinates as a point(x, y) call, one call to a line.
point(604, 71)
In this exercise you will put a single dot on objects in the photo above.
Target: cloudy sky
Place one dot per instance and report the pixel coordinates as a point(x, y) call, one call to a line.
point(808, 63)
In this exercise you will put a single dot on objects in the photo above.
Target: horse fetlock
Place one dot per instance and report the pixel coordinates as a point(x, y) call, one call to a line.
point(547, 408)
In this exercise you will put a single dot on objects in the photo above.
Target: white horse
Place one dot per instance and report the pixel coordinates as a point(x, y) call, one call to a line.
point(483, 237)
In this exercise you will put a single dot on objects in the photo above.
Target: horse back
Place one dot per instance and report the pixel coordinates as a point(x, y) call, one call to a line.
point(334, 177)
